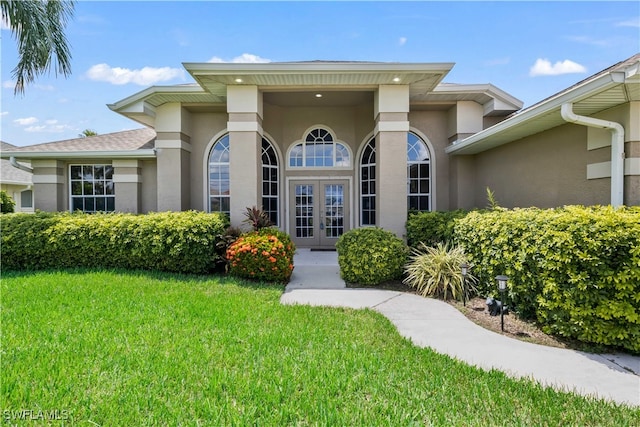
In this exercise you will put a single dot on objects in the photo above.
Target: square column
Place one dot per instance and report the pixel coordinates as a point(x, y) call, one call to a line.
point(128, 184)
point(173, 151)
point(392, 125)
point(244, 105)
point(49, 186)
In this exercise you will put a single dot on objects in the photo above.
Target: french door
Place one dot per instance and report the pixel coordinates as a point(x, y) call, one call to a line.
point(318, 212)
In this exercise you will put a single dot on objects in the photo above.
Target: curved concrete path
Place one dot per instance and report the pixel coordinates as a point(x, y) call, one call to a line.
point(438, 325)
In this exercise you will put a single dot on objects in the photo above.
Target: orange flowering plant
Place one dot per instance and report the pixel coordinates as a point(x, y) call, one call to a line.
point(261, 256)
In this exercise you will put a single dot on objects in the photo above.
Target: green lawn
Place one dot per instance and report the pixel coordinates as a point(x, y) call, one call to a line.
point(118, 348)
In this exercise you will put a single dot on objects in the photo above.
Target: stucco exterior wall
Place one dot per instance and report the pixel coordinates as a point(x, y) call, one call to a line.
point(546, 170)
point(433, 126)
point(206, 129)
point(16, 192)
point(149, 187)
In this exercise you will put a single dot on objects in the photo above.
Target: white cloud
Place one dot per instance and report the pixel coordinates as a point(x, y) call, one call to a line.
point(49, 128)
point(402, 41)
point(8, 84)
point(245, 58)
point(4, 113)
point(26, 121)
point(590, 41)
point(543, 67)
point(633, 22)
point(51, 122)
point(143, 77)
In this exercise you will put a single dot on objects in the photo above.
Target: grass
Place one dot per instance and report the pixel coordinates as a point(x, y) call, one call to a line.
point(121, 348)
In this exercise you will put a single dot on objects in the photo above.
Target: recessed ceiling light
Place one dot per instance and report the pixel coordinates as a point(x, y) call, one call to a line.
point(396, 79)
point(318, 95)
point(238, 80)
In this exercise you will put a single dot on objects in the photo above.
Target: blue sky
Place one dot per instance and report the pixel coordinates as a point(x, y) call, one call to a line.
point(529, 49)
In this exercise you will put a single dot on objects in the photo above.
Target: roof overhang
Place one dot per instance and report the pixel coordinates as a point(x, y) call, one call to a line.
point(593, 95)
point(68, 155)
point(273, 76)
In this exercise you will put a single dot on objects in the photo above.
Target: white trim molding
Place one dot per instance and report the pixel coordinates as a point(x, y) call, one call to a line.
point(603, 169)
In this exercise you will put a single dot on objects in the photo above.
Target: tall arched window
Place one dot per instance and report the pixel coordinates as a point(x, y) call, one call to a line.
point(319, 150)
point(418, 174)
point(270, 181)
point(219, 197)
point(368, 184)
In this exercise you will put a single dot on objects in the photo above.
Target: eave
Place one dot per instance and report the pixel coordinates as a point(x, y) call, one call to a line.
point(593, 95)
point(68, 155)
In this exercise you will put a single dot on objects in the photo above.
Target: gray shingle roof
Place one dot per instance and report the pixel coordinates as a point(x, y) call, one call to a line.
point(9, 174)
point(138, 139)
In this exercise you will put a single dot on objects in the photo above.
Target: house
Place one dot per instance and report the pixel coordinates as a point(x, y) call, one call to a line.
point(16, 182)
point(325, 147)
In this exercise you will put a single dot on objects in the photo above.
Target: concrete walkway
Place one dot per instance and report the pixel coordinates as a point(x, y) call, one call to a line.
point(438, 325)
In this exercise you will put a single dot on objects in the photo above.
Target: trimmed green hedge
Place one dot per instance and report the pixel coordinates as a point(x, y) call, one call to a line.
point(432, 228)
point(575, 269)
point(182, 242)
point(370, 256)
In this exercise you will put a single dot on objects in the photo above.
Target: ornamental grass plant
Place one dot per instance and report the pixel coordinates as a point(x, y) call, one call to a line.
point(435, 272)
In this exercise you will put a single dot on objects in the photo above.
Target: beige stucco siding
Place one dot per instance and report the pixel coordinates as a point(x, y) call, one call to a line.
point(548, 169)
point(206, 129)
point(433, 126)
point(149, 189)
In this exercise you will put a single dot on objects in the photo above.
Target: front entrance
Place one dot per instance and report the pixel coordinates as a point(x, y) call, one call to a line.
point(318, 212)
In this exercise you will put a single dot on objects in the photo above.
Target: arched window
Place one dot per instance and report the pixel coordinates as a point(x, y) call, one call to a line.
point(319, 150)
point(219, 197)
point(368, 184)
point(418, 174)
point(270, 181)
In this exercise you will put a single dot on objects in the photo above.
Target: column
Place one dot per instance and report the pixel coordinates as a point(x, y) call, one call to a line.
point(173, 151)
point(392, 124)
point(244, 105)
point(128, 183)
point(49, 186)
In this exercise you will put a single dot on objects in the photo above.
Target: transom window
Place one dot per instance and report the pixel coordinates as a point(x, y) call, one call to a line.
point(92, 188)
point(319, 149)
point(219, 197)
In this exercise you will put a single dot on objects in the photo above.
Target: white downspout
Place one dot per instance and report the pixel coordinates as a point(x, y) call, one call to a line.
point(15, 164)
point(617, 148)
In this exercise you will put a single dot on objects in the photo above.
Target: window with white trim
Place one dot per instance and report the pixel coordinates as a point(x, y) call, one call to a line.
point(270, 181)
point(26, 199)
point(92, 188)
point(319, 149)
point(219, 196)
point(368, 184)
point(418, 174)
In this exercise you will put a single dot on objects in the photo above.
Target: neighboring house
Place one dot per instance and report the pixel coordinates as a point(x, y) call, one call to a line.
point(329, 146)
point(16, 182)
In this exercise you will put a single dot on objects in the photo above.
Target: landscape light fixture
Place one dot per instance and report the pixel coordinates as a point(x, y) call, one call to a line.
point(502, 287)
point(464, 267)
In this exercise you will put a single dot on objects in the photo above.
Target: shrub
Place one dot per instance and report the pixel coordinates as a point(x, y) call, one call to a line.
point(370, 256)
point(7, 204)
point(432, 228)
point(435, 271)
point(576, 270)
point(257, 218)
point(182, 242)
point(261, 256)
